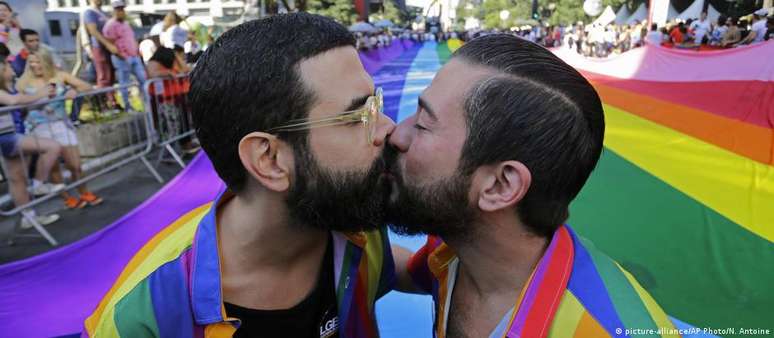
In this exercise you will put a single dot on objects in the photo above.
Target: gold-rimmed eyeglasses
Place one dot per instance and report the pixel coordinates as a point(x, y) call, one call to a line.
point(368, 115)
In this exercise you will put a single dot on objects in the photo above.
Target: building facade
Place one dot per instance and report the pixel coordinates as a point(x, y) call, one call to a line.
point(196, 8)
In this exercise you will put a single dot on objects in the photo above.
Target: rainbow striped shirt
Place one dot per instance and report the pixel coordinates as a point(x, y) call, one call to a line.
point(172, 286)
point(575, 291)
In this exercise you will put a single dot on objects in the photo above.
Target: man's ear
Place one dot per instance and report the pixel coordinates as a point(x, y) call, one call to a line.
point(267, 159)
point(504, 185)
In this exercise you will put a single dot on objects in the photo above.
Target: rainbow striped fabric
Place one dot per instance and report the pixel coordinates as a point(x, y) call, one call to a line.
point(172, 286)
point(575, 291)
point(683, 196)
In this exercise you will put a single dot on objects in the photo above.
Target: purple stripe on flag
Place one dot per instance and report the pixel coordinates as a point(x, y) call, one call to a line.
point(529, 296)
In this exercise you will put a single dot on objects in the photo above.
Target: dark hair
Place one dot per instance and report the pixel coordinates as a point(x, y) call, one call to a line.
point(654, 27)
point(248, 81)
point(164, 56)
point(4, 51)
point(734, 20)
point(3, 3)
point(722, 20)
point(25, 32)
point(538, 110)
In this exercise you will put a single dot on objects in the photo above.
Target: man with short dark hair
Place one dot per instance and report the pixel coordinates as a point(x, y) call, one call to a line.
point(32, 44)
point(503, 140)
point(294, 247)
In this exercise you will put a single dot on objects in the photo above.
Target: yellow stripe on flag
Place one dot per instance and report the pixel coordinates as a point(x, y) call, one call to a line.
point(738, 188)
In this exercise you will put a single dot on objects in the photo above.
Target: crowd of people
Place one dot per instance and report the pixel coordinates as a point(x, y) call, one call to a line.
point(31, 72)
point(699, 34)
point(367, 41)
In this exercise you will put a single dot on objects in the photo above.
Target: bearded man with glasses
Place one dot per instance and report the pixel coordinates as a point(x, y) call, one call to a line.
point(295, 246)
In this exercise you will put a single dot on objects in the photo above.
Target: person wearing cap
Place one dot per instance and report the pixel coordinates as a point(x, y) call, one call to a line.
point(127, 59)
point(758, 31)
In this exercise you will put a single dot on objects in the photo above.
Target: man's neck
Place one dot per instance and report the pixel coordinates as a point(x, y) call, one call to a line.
point(500, 258)
point(267, 261)
point(256, 232)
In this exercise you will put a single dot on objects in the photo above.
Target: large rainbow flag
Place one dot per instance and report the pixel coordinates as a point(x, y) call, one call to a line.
point(683, 197)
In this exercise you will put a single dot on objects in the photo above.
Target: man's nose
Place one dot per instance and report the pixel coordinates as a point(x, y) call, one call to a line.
point(402, 135)
point(384, 128)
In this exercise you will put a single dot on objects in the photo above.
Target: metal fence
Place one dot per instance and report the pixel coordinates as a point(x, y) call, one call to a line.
point(170, 113)
point(119, 137)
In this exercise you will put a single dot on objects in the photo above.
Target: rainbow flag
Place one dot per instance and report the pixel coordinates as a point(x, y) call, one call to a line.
point(683, 197)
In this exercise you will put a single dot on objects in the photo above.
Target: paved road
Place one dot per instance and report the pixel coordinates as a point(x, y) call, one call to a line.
point(123, 190)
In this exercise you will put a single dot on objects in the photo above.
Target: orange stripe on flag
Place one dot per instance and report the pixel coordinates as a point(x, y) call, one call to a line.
point(754, 142)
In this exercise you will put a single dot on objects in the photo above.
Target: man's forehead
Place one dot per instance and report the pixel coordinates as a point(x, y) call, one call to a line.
point(453, 82)
point(336, 75)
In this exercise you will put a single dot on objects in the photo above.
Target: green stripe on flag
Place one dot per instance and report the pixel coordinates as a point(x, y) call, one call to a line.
point(627, 302)
point(134, 315)
point(444, 53)
point(699, 266)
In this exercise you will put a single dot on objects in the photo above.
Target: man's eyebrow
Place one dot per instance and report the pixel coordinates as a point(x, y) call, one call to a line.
point(357, 102)
point(423, 103)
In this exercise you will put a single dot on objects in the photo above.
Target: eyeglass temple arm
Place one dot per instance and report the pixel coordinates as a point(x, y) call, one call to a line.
point(355, 115)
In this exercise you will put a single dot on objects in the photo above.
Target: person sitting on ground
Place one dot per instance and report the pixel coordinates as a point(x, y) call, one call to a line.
point(732, 35)
point(53, 122)
point(15, 145)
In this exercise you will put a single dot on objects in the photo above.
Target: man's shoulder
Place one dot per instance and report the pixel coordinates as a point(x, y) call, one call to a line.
point(160, 266)
point(92, 14)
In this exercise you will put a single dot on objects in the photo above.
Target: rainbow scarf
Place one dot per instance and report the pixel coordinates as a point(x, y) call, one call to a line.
point(575, 291)
point(172, 286)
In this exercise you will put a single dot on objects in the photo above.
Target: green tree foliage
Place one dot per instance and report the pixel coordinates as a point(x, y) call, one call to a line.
point(564, 11)
point(391, 12)
point(342, 11)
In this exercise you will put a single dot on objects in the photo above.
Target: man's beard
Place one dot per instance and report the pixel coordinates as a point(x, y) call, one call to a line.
point(438, 208)
point(348, 201)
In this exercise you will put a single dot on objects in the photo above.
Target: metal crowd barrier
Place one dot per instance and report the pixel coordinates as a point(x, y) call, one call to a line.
point(125, 138)
point(167, 105)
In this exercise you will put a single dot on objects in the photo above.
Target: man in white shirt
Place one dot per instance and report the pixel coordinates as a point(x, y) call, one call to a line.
point(701, 28)
point(654, 37)
point(758, 31)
